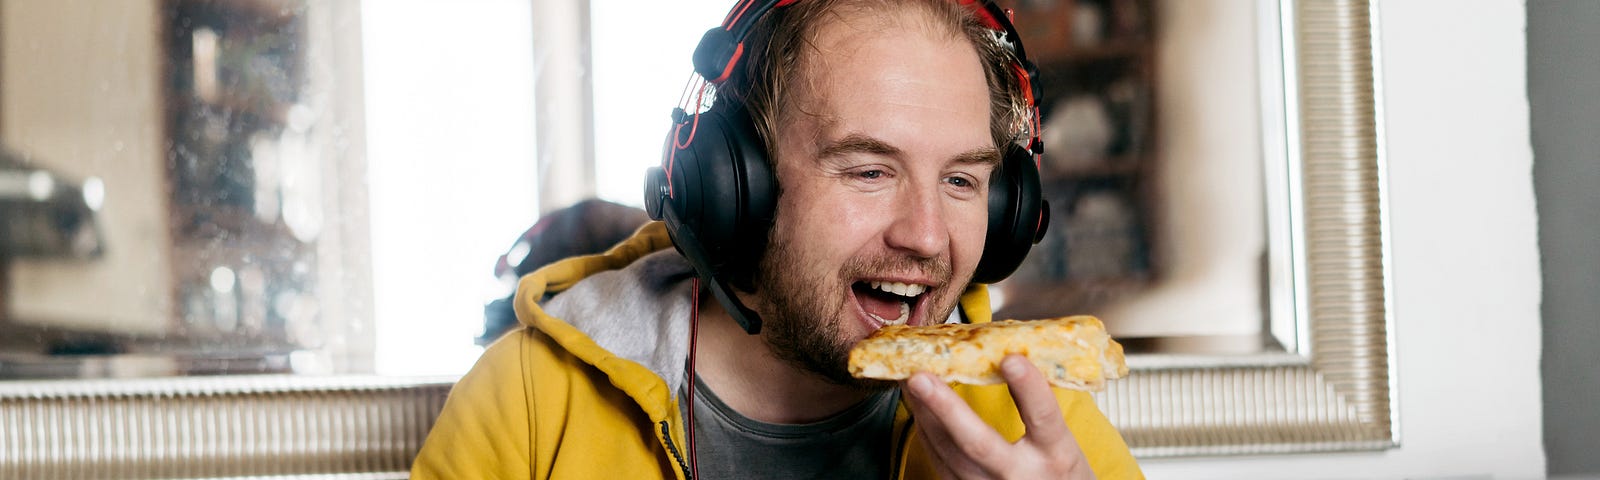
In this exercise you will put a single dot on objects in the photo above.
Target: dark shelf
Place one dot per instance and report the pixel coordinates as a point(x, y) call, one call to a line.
point(1116, 167)
point(1121, 49)
point(268, 112)
point(1032, 299)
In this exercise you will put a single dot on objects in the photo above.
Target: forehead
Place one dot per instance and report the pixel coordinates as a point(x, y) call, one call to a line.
point(862, 35)
point(902, 72)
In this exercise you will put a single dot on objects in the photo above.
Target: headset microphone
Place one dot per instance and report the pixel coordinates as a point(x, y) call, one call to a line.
point(717, 205)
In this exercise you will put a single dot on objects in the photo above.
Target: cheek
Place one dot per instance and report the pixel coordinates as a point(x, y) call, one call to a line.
point(823, 217)
point(967, 237)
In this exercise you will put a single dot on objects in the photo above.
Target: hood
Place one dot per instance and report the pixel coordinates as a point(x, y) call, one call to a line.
point(626, 312)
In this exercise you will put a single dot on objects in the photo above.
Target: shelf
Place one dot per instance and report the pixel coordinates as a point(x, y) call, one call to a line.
point(231, 235)
point(274, 113)
point(276, 12)
point(261, 14)
point(1133, 48)
point(1026, 299)
point(1110, 168)
point(229, 220)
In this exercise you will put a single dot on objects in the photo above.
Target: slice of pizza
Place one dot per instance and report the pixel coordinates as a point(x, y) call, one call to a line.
point(1072, 352)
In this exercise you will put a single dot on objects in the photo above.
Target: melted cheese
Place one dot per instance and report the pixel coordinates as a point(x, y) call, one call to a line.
point(1072, 352)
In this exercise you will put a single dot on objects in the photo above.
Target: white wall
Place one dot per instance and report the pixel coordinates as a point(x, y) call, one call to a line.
point(81, 94)
point(1466, 267)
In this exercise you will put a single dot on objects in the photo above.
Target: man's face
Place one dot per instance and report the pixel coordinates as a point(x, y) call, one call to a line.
point(884, 159)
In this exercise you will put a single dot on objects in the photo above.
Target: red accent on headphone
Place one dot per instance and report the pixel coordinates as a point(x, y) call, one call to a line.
point(738, 11)
point(1040, 222)
point(983, 14)
point(672, 159)
point(694, 126)
point(738, 51)
point(1033, 108)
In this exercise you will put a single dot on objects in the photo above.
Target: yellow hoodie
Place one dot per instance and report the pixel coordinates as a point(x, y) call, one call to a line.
point(596, 400)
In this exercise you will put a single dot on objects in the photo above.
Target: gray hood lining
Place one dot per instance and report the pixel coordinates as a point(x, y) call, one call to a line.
point(640, 312)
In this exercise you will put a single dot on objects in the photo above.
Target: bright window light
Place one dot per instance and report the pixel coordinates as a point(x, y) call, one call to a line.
point(451, 159)
point(641, 63)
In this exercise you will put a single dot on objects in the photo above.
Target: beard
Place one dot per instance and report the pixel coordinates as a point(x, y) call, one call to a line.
point(806, 307)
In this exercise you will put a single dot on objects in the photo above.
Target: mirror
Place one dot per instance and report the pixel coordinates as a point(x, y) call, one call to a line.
point(1153, 166)
point(279, 182)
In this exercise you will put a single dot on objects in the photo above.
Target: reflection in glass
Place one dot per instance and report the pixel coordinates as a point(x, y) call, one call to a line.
point(240, 232)
point(220, 151)
point(1152, 166)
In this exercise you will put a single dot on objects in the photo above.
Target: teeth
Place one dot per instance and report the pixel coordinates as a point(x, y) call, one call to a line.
point(901, 289)
point(905, 315)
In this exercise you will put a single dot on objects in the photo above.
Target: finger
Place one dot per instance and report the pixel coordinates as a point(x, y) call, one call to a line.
point(1036, 402)
point(966, 431)
point(929, 425)
point(941, 467)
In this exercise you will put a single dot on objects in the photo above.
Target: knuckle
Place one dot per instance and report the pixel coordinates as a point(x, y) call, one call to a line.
point(983, 453)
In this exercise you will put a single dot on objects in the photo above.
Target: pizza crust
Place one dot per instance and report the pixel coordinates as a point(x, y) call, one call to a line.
point(1072, 352)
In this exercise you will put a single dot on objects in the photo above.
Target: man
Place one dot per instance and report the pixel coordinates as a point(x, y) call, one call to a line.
point(884, 122)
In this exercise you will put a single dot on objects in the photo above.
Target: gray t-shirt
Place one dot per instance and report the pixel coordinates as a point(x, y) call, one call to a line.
point(854, 443)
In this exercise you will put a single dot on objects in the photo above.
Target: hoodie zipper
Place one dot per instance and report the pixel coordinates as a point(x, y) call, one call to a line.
point(666, 437)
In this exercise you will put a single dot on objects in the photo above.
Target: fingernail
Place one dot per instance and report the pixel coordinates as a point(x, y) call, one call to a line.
point(920, 385)
point(1012, 366)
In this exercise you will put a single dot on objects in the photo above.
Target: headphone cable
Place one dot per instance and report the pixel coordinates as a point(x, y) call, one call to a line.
point(694, 327)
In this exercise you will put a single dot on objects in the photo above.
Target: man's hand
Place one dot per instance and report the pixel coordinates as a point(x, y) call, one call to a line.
point(963, 446)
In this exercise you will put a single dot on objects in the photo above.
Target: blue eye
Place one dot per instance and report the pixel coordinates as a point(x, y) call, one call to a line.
point(871, 174)
point(959, 182)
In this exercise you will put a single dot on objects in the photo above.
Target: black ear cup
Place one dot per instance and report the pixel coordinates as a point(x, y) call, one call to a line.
point(1018, 216)
point(720, 189)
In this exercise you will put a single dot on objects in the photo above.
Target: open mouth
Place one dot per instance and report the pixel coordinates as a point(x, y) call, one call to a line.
point(888, 303)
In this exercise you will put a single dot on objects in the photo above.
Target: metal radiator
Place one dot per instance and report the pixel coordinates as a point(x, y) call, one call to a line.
point(216, 427)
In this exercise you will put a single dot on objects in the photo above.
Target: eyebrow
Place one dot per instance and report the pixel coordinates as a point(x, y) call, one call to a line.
point(858, 143)
point(984, 156)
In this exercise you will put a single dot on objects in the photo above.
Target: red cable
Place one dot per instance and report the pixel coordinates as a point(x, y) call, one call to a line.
point(672, 158)
point(694, 126)
point(698, 99)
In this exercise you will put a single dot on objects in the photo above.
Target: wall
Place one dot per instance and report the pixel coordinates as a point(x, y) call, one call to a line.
point(1563, 78)
point(1466, 270)
point(80, 93)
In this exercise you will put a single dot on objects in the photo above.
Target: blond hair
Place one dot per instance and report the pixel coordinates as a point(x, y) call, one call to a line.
point(779, 49)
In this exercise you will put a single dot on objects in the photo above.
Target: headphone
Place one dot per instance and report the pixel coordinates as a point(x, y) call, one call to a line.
point(716, 192)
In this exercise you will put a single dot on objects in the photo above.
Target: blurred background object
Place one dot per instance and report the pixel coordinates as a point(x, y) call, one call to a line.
point(46, 218)
point(587, 227)
point(1099, 60)
point(43, 214)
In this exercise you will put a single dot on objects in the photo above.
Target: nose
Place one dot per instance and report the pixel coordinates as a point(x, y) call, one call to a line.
point(919, 228)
